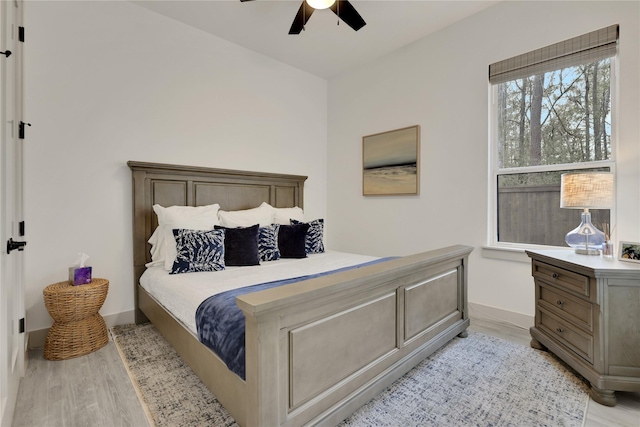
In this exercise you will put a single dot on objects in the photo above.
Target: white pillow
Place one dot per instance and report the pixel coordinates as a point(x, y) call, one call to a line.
point(186, 217)
point(202, 214)
point(283, 215)
point(157, 247)
point(262, 215)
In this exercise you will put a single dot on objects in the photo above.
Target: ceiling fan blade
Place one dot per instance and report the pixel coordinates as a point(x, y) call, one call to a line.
point(348, 14)
point(301, 18)
point(245, 0)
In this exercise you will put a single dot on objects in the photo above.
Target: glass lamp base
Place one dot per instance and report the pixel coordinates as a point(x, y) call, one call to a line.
point(586, 239)
point(588, 251)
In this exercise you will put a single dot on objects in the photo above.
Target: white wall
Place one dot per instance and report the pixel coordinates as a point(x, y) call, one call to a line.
point(441, 83)
point(108, 82)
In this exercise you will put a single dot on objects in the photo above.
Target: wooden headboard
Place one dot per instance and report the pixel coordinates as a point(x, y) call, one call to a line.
point(175, 185)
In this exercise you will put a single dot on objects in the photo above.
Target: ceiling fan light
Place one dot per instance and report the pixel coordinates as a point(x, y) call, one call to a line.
point(320, 4)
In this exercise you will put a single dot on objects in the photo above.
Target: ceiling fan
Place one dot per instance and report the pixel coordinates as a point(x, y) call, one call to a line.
point(342, 8)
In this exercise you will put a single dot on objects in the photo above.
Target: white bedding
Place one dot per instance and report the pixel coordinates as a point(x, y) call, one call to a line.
point(181, 294)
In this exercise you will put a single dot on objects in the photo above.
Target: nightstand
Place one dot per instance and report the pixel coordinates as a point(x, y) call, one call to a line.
point(588, 314)
point(78, 328)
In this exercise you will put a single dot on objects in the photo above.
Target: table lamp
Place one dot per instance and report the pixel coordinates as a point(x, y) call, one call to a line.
point(584, 191)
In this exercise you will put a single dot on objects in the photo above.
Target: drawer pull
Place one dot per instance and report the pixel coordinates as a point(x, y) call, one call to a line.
point(559, 330)
point(559, 303)
point(555, 275)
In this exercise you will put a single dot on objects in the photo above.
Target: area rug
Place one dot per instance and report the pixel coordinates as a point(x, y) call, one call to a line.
point(475, 381)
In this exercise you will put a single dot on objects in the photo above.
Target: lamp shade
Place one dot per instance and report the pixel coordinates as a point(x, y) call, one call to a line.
point(593, 190)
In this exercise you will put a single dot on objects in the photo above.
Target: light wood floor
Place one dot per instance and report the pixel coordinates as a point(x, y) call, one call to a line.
point(95, 390)
point(92, 391)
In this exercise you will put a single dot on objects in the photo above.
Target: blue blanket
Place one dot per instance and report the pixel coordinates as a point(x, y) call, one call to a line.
point(220, 323)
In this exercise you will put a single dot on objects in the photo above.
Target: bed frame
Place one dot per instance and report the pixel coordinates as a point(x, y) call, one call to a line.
point(318, 349)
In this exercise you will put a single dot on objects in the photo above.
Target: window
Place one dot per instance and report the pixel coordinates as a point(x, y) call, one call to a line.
point(551, 115)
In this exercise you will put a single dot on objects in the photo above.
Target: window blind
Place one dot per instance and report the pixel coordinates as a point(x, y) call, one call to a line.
point(584, 49)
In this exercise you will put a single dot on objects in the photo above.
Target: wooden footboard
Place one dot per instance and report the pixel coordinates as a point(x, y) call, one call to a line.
point(319, 349)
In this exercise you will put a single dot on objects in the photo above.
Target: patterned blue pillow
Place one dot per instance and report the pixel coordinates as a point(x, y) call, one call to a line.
point(198, 250)
point(268, 243)
point(314, 240)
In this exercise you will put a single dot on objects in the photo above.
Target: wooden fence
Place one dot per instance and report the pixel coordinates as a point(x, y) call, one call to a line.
point(533, 215)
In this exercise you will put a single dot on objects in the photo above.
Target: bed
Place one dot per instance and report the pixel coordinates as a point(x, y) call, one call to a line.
point(414, 304)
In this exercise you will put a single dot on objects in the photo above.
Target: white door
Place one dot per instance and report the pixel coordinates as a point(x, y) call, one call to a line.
point(12, 336)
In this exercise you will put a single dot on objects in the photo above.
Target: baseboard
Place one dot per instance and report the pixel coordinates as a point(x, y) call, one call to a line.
point(487, 312)
point(38, 336)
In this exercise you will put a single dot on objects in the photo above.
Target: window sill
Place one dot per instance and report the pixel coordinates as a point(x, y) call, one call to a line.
point(513, 253)
point(504, 253)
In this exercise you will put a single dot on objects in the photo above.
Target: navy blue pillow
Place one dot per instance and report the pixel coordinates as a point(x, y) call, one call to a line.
point(314, 243)
point(268, 243)
point(198, 250)
point(240, 245)
point(291, 240)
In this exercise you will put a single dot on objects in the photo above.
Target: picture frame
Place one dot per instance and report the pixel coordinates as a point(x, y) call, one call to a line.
point(391, 162)
point(629, 251)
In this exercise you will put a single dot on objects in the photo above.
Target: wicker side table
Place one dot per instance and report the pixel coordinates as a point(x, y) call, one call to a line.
point(78, 328)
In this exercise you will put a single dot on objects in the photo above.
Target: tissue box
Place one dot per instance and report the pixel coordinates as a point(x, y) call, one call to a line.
point(79, 275)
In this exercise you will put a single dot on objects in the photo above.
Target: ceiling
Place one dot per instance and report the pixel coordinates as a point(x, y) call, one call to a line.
point(323, 48)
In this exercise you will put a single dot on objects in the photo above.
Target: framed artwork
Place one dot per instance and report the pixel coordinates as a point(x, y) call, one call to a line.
point(390, 162)
point(629, 251)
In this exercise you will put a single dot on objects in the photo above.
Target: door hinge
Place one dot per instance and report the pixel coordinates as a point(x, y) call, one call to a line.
point(21, 129)
point(21, 228)
point(21, 34)
point(21, 326)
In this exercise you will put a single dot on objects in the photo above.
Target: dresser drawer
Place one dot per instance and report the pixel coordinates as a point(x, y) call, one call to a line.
point(566, 306)
point(561, 278)
point(579, 342)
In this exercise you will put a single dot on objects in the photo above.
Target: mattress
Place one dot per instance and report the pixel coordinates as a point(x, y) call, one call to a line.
point(181, 294)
